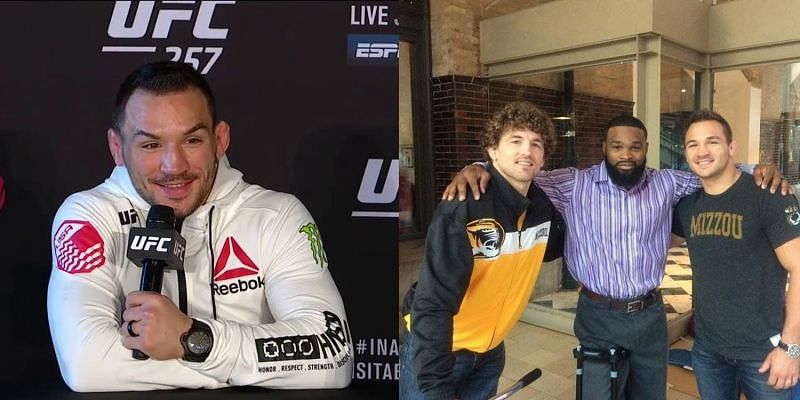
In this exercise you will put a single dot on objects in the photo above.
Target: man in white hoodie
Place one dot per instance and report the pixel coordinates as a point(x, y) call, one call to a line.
point(255, 303)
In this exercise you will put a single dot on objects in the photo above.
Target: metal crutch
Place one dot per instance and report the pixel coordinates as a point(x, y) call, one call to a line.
point(614, 355)
point(580, 354)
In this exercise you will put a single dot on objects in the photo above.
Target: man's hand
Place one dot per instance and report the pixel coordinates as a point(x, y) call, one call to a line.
point(783, 370)
point(158, 324)
point(475, 175)
point(769, 175)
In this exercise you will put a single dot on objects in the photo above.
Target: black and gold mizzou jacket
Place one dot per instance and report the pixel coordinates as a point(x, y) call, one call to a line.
point(481, 262)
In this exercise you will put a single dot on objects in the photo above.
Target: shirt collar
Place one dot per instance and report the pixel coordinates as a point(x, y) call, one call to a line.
point(602, 173)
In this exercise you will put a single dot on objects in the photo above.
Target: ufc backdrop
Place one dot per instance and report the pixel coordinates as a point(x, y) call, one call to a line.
point(311, 94)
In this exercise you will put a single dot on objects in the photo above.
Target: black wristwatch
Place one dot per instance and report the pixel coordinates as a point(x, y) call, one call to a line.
point(197, 342)
point(791, 349)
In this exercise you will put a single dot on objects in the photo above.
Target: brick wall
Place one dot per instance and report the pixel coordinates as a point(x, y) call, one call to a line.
point(462, 104)
point(459, 104)
point(591, 114)
point(455, 36)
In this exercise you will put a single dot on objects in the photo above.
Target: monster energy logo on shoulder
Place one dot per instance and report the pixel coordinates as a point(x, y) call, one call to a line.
point(316, 243)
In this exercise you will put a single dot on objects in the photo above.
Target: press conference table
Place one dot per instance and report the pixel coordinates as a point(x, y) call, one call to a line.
point(57, 390)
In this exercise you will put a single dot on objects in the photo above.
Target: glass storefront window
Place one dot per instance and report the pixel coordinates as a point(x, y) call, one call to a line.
point(762, 105)
point(677, 104)
point(581, 102)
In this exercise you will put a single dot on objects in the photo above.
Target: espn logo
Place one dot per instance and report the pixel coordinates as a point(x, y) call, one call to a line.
point(376, 50)
point(373, 50)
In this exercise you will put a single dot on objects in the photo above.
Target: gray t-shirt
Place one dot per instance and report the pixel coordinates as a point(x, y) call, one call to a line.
point(738, 283)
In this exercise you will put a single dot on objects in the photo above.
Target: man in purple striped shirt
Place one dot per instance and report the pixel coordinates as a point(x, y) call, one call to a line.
point(618, 216)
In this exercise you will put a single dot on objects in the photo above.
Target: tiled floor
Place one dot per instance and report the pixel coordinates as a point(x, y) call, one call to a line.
point(529, 346)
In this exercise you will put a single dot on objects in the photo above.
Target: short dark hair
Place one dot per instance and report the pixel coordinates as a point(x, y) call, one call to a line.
point(519, 115)
point(708, 115)
point(159, 78)
point(623, 120)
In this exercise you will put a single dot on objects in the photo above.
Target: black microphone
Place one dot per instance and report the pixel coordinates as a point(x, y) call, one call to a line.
point(154, 248)
point(524, 381)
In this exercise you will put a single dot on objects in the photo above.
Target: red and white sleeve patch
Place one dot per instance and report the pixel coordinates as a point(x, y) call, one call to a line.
point(79, 248)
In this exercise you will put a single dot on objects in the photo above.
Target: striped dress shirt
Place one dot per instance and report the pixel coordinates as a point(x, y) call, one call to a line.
point(617, 239)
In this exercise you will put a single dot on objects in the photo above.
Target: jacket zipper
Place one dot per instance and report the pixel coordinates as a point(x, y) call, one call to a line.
point(182, 297)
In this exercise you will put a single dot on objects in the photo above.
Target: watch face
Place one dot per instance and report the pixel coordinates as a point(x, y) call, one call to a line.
point(198, 342)
point(793, 350)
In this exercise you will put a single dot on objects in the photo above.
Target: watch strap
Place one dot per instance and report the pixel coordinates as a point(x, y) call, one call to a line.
point(791, 349)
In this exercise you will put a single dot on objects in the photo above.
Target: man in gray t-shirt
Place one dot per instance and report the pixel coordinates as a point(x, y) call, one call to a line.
point(742, 242)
